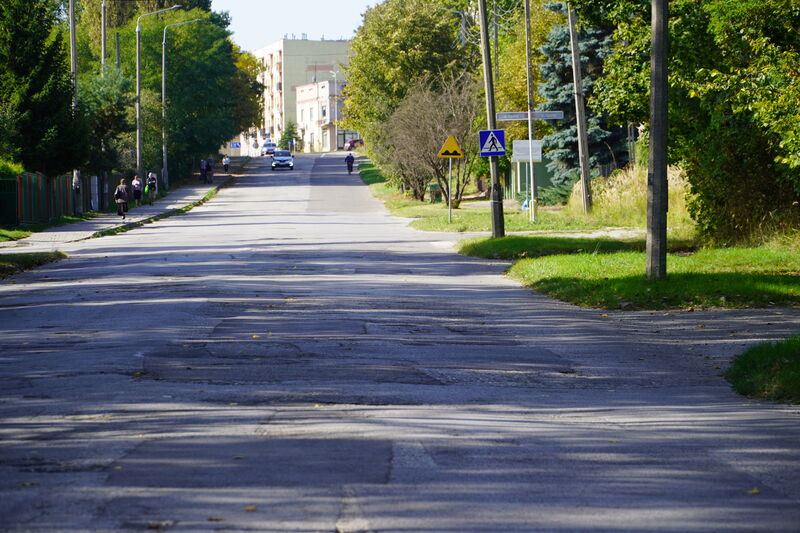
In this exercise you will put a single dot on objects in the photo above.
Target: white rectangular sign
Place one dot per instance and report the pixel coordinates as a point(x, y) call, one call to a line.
point(537, 115)
point(521, 152)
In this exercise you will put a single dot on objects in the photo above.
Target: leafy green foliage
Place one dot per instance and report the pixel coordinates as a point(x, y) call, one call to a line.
point(399, 42)
point(9, 169)
point(770, 371)
point(36, 90)
point(734, 105)
point(607, 144)
point(105, 103)
point(288, 137)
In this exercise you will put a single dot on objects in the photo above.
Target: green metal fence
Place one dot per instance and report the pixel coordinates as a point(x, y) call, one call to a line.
point(8, 201)
point(41, 198)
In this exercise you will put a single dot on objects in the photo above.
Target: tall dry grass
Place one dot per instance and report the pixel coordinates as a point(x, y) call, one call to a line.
point(621, 200)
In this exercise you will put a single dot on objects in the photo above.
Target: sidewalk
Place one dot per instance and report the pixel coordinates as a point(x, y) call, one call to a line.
point(175, 199)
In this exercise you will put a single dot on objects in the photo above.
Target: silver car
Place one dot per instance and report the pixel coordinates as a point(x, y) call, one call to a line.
point(282, 159)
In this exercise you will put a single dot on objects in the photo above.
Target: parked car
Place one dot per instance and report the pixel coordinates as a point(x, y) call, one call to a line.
point(282, 159)
point(352, 144)
point(268, 148)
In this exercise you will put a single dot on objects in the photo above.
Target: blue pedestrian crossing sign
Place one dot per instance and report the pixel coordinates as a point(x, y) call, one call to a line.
point(492, 142)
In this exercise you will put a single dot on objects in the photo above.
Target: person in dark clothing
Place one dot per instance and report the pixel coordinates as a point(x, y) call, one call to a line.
point(349, 160)
point(121, 198)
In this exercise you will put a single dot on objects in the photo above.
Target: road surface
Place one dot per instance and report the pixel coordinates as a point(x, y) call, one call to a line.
point(289, 357)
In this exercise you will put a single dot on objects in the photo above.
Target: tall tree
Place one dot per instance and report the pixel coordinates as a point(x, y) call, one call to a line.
point(734, 108)
point(606, 143)
point(105, 102)
point(420, 41)
point(36, 88)
point(209, 98)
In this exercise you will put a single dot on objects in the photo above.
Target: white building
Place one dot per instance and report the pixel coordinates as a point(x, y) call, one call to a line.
point(288, 64)
point(319, 108)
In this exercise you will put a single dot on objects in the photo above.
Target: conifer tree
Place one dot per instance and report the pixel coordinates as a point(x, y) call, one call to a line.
point(36, 89)
point(606, 144)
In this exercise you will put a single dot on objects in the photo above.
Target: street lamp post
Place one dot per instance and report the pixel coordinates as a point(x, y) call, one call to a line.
point(139, 87)
point(335, 111)
point(164, 171)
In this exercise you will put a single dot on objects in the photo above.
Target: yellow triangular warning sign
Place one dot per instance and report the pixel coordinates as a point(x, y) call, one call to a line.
point(451, 148)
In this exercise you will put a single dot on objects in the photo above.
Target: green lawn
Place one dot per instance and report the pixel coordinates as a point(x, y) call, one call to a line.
point(434, 217)
point(730, 277)
point(770, 371)
point(14, 263)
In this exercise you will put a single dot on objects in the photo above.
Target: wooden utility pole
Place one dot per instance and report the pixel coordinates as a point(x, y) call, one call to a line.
point(580, 113)
point(657, 160)
point(498, 229)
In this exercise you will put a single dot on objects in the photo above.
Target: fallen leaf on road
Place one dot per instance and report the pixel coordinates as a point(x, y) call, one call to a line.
point(28, 483)
point(251, 508)
point(754, 490)
point(603, 314)
point(215, 519)
point(615, 441)
point(256, 336)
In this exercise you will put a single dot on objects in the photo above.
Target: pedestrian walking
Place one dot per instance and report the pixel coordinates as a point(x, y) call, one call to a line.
point(151, 187)
point(203, 171)
point(210, 169)
point(226, 161)
point(137, 190)
point(121, 198)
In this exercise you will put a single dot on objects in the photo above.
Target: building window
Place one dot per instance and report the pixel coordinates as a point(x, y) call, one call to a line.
point(324, 111)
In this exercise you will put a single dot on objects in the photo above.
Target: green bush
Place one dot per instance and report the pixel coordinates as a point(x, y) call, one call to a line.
point(9, 169)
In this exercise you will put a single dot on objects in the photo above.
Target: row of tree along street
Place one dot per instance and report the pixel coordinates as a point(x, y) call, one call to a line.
point(212, 92)
point(734, 96)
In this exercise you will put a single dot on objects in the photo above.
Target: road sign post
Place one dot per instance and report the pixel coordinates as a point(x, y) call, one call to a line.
point(492, 142)
point(450, 150)
point(530, 117)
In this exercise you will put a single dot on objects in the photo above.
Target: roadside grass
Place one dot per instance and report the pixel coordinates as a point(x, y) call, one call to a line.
point(769, 371)
point(434, 216)
point(15, 263)
point(620, 201)
point(726, 277)
point(20, 232)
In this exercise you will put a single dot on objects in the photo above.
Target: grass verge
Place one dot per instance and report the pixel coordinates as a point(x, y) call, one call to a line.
point(15, 263)
point(729, 277)
point(769, 371)
point(434, 217)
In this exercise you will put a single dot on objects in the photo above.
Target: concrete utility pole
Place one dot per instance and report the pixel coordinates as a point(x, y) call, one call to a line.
point(139, 87)
point(657, 197)
point(580, 113)
point(531, 131)
point(335, 111)
point(498, 229)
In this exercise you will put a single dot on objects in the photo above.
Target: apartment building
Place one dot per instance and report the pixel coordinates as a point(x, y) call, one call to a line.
point(319, 108)
point(290, 64)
